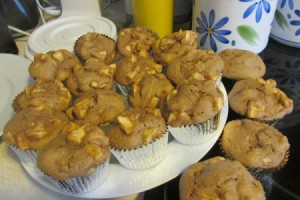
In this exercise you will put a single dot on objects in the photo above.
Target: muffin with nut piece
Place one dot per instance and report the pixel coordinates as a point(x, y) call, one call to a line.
point(139, 138)
point(192, 110)
point(53, 65)
point(77, 161)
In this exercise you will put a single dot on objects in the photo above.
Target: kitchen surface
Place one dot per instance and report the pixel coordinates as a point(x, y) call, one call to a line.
point(283, 65)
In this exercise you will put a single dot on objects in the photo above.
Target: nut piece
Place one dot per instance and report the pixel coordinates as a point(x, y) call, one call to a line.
point(126, 124)
point(77, 135)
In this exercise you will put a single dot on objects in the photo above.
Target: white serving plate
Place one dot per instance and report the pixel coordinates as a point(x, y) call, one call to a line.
point(123, 182)
point(13, 80)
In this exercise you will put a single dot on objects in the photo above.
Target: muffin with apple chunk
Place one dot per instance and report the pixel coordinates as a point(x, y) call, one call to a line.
point(94, 74)
point(53, 65)
point(139, 138)
point(77, 161)
point(52, 94)
point(96, 45)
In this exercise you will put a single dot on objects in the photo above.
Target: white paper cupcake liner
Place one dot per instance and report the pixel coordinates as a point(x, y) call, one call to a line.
point(80, 185)
point(195, 134)
point(27, 157)
point(144, 157)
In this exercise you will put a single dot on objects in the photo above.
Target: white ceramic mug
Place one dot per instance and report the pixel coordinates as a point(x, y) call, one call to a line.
point(242, 24)
point(286, 25)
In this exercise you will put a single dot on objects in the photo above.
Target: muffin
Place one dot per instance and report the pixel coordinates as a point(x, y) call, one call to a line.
point(52, 94)
point(77, 161)
point(93, 75)
point(191, 111)
point(148, 92)
point(259, 99)
point(132, 69)
point(136, 41)
point(138, 138)
point(255, 144)
point(242, 64)
point(173, 45)
point(53, 65)
point(96, 45)
point(31, 130)
point(218, 178)
point(97, 107)
point(195, 64)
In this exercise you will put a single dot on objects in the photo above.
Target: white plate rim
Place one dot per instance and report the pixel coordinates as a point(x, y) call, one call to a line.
point(178, 158)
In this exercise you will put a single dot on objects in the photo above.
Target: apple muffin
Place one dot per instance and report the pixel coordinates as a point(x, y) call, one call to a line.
point(218, 178)
point(169, 47)
point(97, 107)
point(136, 41)
point(53, 65)
point(52, 94)
point(93, 75)
point(148, 92)
point(77, 161)
point(139, 138)
point(195, 64)
point(259, 99)
point(96, 45)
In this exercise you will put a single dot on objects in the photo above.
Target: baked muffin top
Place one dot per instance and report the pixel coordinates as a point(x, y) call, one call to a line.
point(148, 92)
point(77, 152)
point(136, 41)
point(93, 75)
point(242, 64)
point(259, 99)
point(195, 64)
point(53, 65)
point(96, 45)
point(33, 128)
point(254, 144)
point(136, 127)
point(173, 45)
point(192, 103)
point(218, 178)
point(97, 107)
point(132, 69)
point(52, 94)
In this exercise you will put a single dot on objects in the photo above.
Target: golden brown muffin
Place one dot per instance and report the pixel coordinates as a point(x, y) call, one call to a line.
point(148, 92)
point(242, 64)
point(52, 94)
point(255, 144)
point(132, 69)
point(192, 103)
point(53, 65)
point(76, 152)
point(136, 41)
point(93, 75)
point(173, 45)
point(33, 128)
point(195, 64)
point(136, 127)
point(97, 107)
point(96, 45)
point(259, 99)
point(218, 178)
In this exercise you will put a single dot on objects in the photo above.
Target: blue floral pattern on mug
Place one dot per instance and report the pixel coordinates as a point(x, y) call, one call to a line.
point(257, 7)
point(296, 22)
point(211, 30)
point(290, 2)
